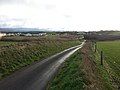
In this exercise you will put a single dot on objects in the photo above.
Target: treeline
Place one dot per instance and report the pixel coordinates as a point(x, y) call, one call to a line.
point(101, 37)
point(38, 38)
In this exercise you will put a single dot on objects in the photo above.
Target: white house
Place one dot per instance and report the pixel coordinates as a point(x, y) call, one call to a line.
point(2, 34)
point(28, 34)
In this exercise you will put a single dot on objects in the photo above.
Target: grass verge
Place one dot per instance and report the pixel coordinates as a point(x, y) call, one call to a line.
point(70, 76)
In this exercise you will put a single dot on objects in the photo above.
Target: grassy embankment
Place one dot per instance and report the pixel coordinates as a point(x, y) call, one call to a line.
point(18, 53)
point(70, 76)
point(2, 43)
point(87, 72)
point(110, 71)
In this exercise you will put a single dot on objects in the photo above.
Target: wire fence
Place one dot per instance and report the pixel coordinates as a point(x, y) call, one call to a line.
point(104, 57)
point(107, 59)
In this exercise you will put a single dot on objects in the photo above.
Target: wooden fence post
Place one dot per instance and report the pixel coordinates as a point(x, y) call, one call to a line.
point(101, 56)
point(92, 45)
point(95, 46)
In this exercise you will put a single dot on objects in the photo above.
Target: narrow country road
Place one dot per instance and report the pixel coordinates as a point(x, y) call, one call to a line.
point(36, 76)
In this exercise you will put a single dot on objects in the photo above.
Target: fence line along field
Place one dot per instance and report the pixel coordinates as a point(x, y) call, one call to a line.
point(19, 51)
point(111, 50)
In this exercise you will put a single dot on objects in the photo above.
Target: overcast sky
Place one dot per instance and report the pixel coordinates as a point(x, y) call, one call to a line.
point(81, 15)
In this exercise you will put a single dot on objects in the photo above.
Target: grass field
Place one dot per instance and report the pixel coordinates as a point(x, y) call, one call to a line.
point(16, 54)
point(111, 51)
point(70, 76)
point(110, 70)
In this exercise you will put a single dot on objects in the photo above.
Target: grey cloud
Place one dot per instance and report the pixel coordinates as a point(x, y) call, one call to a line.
point(49, 6)
point(7, 19)
point(4, 24)
point(67, 16)
point(12, 1)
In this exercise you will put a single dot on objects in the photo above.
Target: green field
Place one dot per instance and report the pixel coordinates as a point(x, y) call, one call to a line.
point(111, 51)
point(70, 76)
point(111, 64)
point(19, 52)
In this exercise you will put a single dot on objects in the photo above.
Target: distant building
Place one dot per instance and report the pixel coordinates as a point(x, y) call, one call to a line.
point(2, 34)
point(22, 34)
point(39, 34)
point(42, 34)
point(10, 34)
point(28, 34)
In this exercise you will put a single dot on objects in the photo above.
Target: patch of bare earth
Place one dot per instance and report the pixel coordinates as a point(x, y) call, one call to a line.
point(90, 70)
